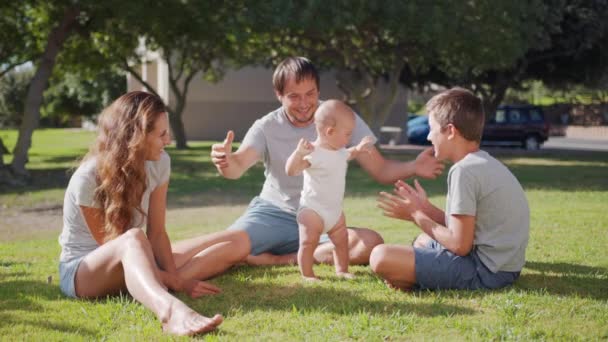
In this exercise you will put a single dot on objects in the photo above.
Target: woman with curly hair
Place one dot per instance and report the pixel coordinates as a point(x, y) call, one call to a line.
point(119, 188)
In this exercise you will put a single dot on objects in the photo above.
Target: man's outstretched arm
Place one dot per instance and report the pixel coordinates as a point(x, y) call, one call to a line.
point(232, 165)
point(388, 171)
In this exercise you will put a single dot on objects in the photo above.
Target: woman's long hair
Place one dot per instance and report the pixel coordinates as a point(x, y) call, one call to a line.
point(120, 152)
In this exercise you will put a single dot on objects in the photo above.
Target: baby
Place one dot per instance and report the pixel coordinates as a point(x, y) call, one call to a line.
point(324, 163)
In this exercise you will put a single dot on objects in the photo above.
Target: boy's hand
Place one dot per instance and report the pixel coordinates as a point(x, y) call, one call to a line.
point(404, 202)
point(419, 191)
point(304, 148)
point(365, 145)
point(394, 206)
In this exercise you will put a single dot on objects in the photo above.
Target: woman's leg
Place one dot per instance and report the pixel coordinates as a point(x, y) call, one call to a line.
point(209, 255)
point(128, 262)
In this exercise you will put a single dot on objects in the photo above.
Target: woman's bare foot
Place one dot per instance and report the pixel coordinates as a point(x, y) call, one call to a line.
point(345, 275)
point(184, 321)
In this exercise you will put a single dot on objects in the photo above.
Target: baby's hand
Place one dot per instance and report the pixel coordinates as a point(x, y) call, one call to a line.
point(304, 148)
point(366, 144)
point(345, 275)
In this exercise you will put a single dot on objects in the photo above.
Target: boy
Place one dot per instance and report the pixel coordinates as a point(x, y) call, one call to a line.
point(480, 240)
point(324, 163)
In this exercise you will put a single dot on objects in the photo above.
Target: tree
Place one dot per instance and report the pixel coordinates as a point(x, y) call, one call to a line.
point(566, 44)
point(51, 26)
point(377, 45)
point(68, 20)
point(197, 39)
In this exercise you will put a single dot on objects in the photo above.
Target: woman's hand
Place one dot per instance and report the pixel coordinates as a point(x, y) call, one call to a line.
point(196, 288)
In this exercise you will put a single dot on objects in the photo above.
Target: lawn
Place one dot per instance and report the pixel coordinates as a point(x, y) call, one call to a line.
point(562, 293)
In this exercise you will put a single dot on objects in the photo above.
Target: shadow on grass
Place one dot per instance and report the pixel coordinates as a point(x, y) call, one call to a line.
point(245, 289)
point(195, 181)
point(24, 295)
point(566, 279)
point(41, 179)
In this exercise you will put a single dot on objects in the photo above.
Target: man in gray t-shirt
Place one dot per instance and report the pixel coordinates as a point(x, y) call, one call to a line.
point(270, 220)
point(480, 240)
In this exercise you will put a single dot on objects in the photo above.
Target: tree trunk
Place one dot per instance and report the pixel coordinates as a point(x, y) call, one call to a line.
point(363, 90)
point(6, 176)
point(39, 83)
point(177, 128)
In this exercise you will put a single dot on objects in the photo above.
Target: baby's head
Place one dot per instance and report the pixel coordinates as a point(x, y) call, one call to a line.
point(335, 122)
point(455, 116)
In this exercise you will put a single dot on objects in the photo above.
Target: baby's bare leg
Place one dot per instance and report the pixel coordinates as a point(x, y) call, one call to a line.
point(310, 226)
point(339, 237)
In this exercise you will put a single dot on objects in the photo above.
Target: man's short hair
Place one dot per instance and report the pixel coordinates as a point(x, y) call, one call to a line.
point(299, 67)
point(461, 108)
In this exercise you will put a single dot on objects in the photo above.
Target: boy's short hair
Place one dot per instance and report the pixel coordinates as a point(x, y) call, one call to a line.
point(300, 67)
point(461, 108)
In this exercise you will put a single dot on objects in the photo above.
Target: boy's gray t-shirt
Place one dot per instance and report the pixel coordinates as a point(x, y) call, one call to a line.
point(275, 138)
point(76, 239)
point(481, 186)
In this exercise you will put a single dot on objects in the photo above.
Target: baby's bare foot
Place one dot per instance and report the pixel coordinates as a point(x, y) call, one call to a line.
point(312, 279)
point(184, 321)
point(345, 275)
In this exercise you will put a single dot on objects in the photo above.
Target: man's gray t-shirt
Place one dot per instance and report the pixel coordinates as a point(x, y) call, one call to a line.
point(275, 138)
point(76, 239)
point(481, 186)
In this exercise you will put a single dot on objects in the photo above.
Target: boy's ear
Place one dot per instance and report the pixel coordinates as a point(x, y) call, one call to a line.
point(330, 130)
point(452, 131)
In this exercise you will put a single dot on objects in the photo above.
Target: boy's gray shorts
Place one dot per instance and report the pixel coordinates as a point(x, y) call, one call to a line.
point(438, 268)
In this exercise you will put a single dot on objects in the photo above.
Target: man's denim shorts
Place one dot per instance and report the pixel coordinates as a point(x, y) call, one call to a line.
point(438, 268)
point(270, 228)
point(67, 276)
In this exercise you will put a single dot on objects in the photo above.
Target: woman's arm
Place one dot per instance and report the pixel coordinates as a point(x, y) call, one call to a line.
point(157, 234)
point(94, 218)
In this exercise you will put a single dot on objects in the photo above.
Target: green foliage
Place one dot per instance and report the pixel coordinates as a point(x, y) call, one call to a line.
point(13, 86)
point(73, 95)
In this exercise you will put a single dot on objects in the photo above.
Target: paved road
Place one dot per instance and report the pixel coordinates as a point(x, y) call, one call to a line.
point(564, 143)
point(554, 143)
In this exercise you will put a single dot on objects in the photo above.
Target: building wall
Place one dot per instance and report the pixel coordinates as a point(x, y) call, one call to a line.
point(234, 103)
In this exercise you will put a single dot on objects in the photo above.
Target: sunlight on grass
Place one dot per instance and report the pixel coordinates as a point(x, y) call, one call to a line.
point(562, 293)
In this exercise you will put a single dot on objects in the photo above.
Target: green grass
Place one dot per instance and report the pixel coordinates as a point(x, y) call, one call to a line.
point(562, 293)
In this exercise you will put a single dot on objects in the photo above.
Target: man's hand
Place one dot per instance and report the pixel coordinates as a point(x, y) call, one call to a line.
point(196, 288)
point(426, 165)
point(304, 148)
point(365, 145)
point(220, 153)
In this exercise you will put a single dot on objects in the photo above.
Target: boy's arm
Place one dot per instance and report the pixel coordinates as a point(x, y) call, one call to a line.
point(296, 163)
point(413, 205)
point(458, 239)
point(364, 146)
